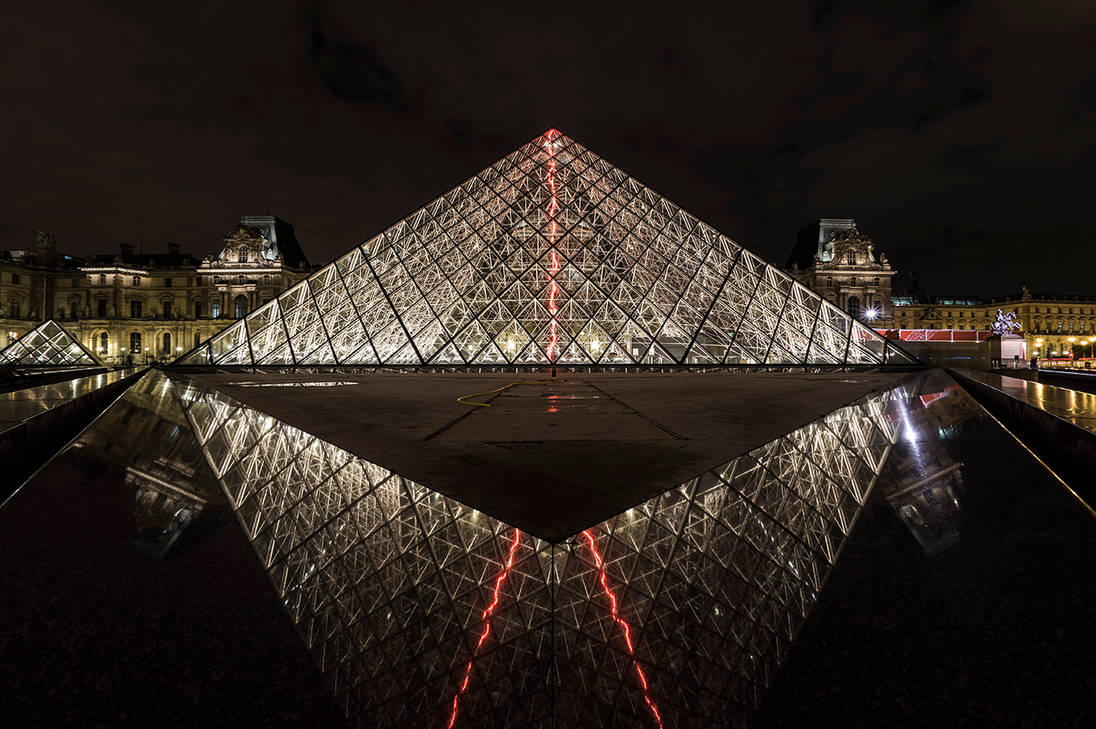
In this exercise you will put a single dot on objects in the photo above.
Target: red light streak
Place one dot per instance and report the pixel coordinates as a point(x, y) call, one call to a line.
point(553, 231)
point(486, 627)
point(623, 626)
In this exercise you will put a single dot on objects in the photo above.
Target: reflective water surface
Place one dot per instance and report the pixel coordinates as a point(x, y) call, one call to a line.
point(678, 612)
point(19, 405)
point(1074, 406)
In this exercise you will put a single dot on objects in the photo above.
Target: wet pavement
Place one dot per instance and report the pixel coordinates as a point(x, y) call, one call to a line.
point(1073, 406)
point(20, 405)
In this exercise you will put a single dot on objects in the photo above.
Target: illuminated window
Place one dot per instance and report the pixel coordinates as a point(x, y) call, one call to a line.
point(215, 308)
point(134, 341)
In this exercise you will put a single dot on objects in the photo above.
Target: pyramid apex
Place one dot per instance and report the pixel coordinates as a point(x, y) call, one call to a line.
point(550, 255)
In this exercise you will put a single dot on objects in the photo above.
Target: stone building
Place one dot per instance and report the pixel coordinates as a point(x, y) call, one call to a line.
point(838, 261)
point(1053, 325)
point(148, 306)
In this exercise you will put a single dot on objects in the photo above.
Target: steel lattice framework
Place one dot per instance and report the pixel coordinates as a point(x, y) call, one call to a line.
point(549, 256)
point(426, 612)
point(47, 345)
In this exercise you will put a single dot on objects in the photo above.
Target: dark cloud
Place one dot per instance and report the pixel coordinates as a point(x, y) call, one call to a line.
point(351, 70)
point(957, 133)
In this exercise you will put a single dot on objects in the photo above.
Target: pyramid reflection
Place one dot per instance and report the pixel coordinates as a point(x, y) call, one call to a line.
point(426, 612)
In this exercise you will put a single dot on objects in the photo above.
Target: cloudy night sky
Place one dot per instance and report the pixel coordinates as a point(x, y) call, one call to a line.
point(960, 135)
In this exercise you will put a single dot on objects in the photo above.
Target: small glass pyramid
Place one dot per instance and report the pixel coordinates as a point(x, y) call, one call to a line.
point(549, 256)
point(48, 344)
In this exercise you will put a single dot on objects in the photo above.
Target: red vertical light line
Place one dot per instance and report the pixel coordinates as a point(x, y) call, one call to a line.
point(486, 618)
point(553, 232)
point(613, 611)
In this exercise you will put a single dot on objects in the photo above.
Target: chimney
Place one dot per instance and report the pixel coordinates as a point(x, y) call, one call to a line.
point(172, 248)
point(126, 248)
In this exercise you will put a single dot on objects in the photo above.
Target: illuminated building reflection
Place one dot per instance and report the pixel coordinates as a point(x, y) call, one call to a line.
point(148, 433)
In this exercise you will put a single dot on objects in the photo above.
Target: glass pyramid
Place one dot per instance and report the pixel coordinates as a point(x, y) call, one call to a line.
point(549, 256)
point(47, 345)
point(423, 611)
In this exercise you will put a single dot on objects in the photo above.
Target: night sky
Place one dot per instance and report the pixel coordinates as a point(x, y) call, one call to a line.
point(960, 135)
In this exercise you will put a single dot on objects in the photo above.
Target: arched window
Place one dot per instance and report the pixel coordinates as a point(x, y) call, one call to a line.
point(104, 342)
point(166, 343)
point(854, 307)
point(241, 306)
point(851, 258)
point(243, 255)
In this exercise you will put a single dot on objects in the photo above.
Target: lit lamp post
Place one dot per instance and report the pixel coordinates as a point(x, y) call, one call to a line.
point(1072, 341)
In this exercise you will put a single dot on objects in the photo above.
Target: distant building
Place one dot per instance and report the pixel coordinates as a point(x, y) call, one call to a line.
point(148, 306)
point(1053, 325)
point(838, 261)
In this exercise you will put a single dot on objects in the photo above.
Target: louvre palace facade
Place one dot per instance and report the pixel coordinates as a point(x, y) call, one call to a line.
point(144, 307)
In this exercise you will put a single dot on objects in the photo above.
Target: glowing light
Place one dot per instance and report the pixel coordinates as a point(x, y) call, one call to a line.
point(553, 231)
point(623, 626)
point(486, 618)
point(871, 314)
